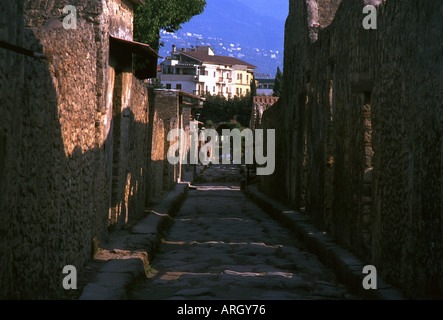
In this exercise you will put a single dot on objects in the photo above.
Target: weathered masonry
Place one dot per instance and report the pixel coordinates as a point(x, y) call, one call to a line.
point(171, 109)
point(259, 105)
point(75, 138)
point(359, 133)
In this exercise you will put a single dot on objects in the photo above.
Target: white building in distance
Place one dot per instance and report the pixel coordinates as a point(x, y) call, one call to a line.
point(265, 87)
point(200, 71)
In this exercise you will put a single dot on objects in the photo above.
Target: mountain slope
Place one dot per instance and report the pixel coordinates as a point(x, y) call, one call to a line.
point(235, 21)
point(277, 9)
point(250, 30)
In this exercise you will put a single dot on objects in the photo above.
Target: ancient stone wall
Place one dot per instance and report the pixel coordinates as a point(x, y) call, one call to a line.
point(11, 85)
point(166, 115)
point(274, 118)
point(360, 142)
point(74, 138)
point(259, 105)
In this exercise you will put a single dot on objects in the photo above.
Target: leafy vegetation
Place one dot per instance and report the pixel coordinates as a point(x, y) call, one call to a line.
point(157, 15)
point(278, 84)
point(253, 86)
point(235, 112)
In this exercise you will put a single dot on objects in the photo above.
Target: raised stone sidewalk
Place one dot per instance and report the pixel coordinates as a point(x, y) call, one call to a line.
point(126, 257)
point(346, 266)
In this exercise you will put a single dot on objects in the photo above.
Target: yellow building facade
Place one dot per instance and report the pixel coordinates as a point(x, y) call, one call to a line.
point(242, 77)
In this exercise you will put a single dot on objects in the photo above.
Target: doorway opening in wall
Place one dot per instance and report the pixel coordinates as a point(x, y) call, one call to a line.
point(368, 170)
point(116, 208)
point(329, 170)
point(303, 101)
point(367, 131)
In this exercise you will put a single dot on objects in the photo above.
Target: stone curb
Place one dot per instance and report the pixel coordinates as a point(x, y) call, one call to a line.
point(346, 266)
point(130, 252)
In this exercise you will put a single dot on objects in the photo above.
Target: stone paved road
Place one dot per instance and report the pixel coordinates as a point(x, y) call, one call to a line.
point(223, 246)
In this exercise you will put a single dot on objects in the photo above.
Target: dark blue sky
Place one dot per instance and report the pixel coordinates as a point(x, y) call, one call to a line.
point(252, 23)
point(253, 29)
point(277, 9)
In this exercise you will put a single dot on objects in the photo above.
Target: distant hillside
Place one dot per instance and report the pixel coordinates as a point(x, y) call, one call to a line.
point(267, 60)
point(251, 30)
point(234, 21)
point(277, 9)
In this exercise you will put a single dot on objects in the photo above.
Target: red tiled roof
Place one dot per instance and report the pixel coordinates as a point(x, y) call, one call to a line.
point(266, 99)
point(215, 59)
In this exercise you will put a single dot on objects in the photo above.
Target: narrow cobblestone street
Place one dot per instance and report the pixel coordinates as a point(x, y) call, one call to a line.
point(223, 246)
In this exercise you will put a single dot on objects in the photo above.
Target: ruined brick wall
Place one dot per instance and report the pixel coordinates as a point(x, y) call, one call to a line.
point(167, 113)
point(11, 85)
point(259, 105)
point(361, 142)
point(139, 148)
point(130, 149)
point(186, 117)
point(165, 117)
point(407, 140)
point(58, 136)
point(48, 211)
point(273, 118)
point(157, 153)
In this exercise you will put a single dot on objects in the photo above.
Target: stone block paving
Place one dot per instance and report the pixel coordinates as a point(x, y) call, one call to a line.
point(222, 245)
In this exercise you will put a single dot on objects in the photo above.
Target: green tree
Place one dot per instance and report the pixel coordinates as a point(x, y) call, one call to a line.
point(278, 83)
point(157, 15)
point(209, 124)
point(218, 109)
point(253, 87)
